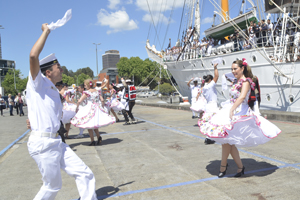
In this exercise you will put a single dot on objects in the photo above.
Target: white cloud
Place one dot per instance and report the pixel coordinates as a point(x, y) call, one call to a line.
point(129, 2)
point(113, 4)
point(158, 5)
point(207, 20)
point(117, 21)
point(157, 17)
point(157, 8)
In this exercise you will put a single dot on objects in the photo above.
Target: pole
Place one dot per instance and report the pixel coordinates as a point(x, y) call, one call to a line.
point(15, 79)
point(97, 56)
point(97, 60)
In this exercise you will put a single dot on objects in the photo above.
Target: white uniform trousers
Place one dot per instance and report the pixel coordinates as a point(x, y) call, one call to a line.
point(52, 155)
point(193, 100)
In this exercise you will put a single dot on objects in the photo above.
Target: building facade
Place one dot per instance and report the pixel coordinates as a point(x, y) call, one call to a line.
point(109, 64)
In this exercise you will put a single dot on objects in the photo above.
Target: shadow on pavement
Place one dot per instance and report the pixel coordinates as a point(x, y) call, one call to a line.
point(252, 166)
point(106, 192)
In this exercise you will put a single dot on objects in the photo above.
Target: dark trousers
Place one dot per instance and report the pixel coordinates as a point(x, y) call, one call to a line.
point(17, 108)
point(21, 108)
point(2, 107)
point(11, 107)
point(129, 112)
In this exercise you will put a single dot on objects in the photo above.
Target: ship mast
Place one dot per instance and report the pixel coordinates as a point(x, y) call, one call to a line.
point(225, 9)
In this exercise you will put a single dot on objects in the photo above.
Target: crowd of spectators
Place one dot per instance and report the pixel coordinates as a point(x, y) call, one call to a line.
point(258, 34)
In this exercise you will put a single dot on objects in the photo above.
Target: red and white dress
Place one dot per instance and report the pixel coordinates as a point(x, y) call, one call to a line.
point(92, 115)
point(69, 109)
point(246, 129)
point(115, 104)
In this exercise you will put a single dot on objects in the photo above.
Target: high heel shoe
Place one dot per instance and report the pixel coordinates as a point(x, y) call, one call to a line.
point(239, 174)
point(221, 174)
point(99, 140)
point(92, 143)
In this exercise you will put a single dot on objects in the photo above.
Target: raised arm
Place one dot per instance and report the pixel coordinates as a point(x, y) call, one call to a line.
point(241, 98)
point(82, 98)
point(123, 82)
point(216, 75)
point(188, 84)
point(36, 50)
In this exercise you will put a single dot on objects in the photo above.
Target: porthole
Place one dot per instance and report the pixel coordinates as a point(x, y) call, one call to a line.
point(291, 98)
point(268, 97)
point(253, 58)
point(223, 61)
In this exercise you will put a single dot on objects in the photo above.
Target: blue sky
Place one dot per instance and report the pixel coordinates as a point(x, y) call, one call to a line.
point(116, 24)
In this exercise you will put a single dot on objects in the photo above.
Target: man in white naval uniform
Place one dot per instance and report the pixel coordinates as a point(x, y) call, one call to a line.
point(194, 92)
point(44, 113)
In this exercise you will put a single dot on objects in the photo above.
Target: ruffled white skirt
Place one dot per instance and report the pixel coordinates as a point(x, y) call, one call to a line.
point(246, 129)
point(69, 111)
point(200, 105)
point(92, 116)
point(116, 105)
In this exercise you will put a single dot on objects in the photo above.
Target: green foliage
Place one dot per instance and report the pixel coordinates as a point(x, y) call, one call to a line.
point(140, 70)
point(165, 88)
point(79, 71)
point(8, 82)
point(81, 78)
point(68, 79)
point(86, 71)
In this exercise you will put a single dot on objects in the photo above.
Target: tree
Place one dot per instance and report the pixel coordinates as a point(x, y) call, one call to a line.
point(86, 71)
point(68, 79)
point(65, 70)
point(165, 88)
point(9, 83)
point(81, 78)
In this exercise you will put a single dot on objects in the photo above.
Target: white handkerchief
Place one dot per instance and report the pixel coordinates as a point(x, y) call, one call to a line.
point(61, 22)
point(227, 77)
point(217, 60)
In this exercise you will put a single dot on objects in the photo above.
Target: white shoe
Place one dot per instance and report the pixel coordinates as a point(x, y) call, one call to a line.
point(78, 136)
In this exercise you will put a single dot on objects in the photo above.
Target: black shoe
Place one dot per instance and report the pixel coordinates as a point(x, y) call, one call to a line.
point(99, 140)
point(117, 120)
point(92, 143)
point(239, 174)
point(221, 174)
point(127, 123)
point(193, 117)
point(209, 141)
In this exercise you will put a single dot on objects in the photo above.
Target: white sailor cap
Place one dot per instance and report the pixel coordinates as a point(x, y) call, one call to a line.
point(48, 61)
point(128, 80)
point(99, 82)
point(195, 79)
point(120, 85)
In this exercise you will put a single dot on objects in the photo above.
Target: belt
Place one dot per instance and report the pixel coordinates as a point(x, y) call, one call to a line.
point(44, 134)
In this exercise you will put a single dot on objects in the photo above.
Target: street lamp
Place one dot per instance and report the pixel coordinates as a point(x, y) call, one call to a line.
point(97, 56)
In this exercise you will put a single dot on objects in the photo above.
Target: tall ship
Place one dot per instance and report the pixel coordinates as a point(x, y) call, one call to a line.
point(272, 51)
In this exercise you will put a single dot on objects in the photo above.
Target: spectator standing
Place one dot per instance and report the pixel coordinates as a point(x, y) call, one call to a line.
point(11, 104)
point(2, 105)
point(264, 28)
point(270, 32)
point(19, 101)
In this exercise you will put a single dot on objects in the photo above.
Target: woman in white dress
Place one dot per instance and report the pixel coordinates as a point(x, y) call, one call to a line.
point(200, 102)
point(69, 108)
point(92, 116)
point(209, 91)
point(236, 124)
point(115, 104)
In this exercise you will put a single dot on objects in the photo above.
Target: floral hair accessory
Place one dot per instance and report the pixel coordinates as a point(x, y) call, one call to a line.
point(203, 81)
point(91, 84)
point(245, 63)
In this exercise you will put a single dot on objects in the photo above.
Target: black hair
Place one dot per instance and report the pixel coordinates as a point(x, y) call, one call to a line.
point(81, 85)
point(207, 78)
point(65, 84)
point(113, 85)
point(60, 83)
point(43, 71)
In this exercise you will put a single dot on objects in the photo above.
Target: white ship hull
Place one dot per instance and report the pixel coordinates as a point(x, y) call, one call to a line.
point(277, 92)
